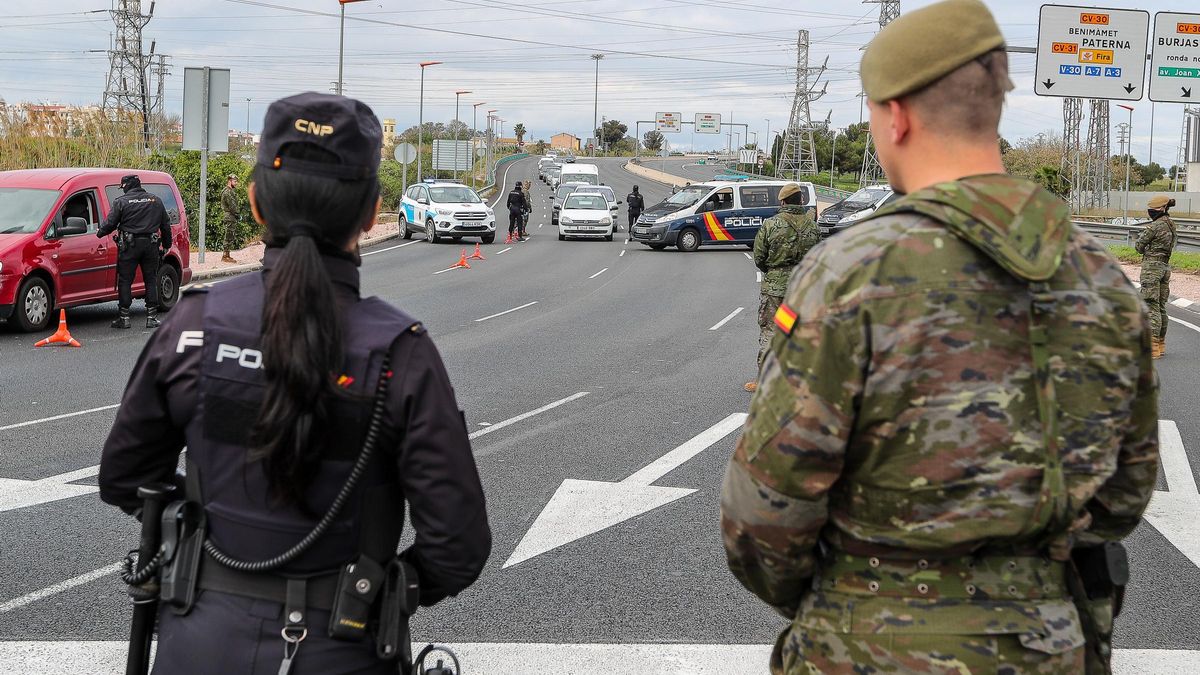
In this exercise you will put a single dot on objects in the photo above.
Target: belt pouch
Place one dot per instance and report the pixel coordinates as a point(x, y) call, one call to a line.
point(358, 585)
point(401, 597)
point(183, 527)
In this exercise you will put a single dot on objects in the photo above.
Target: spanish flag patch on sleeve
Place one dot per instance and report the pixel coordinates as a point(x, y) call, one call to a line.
point(785, 318)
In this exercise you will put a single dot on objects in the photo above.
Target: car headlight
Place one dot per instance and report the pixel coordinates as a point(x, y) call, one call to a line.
point(444, 212)
point(606, 221)
point(491, 213)
point(565, 221)
point(855, 216)
point(662, 220)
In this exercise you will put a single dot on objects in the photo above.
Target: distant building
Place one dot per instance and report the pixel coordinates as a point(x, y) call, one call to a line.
point(389, 129)
point(564, 141)
point(56, 120)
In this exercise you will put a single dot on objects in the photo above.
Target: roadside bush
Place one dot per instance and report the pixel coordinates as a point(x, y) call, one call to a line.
point(185, 167)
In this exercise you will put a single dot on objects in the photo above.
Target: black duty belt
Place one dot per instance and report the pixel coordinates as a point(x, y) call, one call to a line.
point(1156, 256)
point(265, 586)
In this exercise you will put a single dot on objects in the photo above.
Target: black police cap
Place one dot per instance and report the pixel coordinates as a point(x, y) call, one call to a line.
point(345, 127)
point(131, 181)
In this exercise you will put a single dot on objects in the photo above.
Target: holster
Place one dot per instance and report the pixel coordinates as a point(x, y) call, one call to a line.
point(1096, 578)
point(400, 599)
point(183, 532)
point(123, 240)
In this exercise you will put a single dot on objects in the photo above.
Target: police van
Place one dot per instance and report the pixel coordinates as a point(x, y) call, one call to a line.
point(714, 213)
point(446, 209)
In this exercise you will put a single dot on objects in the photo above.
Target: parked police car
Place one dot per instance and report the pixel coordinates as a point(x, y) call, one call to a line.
point(442, 208)
point(714, 213)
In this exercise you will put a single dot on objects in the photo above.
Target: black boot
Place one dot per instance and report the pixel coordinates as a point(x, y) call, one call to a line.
point(152, 317)
point(122, 320)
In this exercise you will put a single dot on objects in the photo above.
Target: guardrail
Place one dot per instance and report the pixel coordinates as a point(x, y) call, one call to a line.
point(822, 191)
point(1129, 233)
point(486, 189)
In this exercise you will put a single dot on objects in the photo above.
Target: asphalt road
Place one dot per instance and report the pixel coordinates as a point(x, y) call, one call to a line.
point(646, 334)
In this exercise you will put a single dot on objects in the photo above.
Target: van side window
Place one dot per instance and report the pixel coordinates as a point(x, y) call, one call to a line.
point(759, 196)
point(82, 205)
point(720, 200)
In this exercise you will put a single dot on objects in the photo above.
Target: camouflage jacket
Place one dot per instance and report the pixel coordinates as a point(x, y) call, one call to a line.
point(899, 412)
point(781, 242)
point(1158, 239)
point(229, 202)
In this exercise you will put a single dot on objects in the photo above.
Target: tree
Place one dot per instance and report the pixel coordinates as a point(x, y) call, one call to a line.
point(1050, 177)
point(519, 132)
point(611, 132)
point(653, 140)
point(540, 147)
point(1151, 172)
point(1029, 155)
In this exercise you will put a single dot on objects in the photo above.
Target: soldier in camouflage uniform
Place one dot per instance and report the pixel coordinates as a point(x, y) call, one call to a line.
point(229, 204)
point(526, 188)
point(957, 405)
point(1156, 243)
point(779, 245)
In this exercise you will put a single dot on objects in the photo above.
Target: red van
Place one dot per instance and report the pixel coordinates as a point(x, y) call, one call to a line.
point(49, 254)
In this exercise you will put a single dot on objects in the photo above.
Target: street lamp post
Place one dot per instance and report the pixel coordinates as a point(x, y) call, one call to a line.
point(490, 135)
point(770, 145)
point(342, 43)
point(833, 156)
point(596, 103)
point(1128, 154)
point(421, 117)
point(251, 138)
point(474, 134)
point(457, 94)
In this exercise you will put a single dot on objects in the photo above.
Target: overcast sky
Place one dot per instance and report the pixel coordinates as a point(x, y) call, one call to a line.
point(735, 57)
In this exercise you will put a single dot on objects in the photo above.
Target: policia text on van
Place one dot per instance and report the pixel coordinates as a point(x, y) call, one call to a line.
point(704, 214)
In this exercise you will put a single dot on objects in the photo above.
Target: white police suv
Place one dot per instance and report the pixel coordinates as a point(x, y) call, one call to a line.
point(446, 209)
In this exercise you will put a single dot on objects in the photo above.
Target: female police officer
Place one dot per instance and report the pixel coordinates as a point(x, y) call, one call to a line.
point(270, 380)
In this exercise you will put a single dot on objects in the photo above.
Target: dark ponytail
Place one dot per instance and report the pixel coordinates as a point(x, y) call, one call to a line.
point(301, 332)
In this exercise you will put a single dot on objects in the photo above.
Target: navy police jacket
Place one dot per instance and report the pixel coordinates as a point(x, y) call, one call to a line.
point(198, 384)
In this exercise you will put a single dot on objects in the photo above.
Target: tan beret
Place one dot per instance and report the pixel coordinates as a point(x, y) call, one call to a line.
point(1159, 202)
point(923, 46)
point(788, 190)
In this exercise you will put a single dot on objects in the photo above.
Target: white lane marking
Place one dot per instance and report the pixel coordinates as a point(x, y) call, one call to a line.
point(524, 416)
point(748, 256)
point(58, 417)
point(1173, 512)
point(626, 241)
point(104, 657)
point(727, 319)
point(505, 250)
point(759, 277)
point(580, 508)
point(29, 598)
point(448, 269)
point(598, 273)
point(20, 494)
point(507, 311)
point(390, 248)
point(622, 255)
point(1182, 302)
point(1178, 321)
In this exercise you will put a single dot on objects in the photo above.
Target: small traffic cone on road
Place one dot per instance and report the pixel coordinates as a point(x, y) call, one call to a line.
point(477, 255)
point(508, 239)
point(62, 336)
point(462, 261)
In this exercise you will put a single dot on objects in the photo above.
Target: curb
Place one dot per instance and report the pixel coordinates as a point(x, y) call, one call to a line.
point(656, 176)
point(250, 267)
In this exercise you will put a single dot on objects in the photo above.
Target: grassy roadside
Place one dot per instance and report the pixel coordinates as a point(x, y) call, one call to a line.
point(1181, 261)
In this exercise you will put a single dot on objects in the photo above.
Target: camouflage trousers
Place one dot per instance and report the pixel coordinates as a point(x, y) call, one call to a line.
point(767, 306)
point(1156, 289)
point(230, 234)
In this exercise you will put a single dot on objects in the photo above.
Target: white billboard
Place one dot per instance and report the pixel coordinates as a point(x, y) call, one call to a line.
point(708, 123)
point(668, 122)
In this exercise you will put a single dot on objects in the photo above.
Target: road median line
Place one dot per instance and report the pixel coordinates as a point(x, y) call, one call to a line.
point(507, 311)
point(727, 319)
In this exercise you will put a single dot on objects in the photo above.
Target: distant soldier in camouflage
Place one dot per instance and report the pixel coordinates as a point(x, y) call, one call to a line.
point(781, 242)
point(229, 204)
point(957, 417)
point(526, 189)
point(1156, 243)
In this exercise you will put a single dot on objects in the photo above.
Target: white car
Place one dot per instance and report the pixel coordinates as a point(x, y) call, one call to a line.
point(604, 191)
point(446, 209)
point(585, 215)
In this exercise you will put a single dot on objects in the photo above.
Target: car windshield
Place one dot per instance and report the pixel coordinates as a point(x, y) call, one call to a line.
point(589, 178)
point(456, 194)
point(23, 210)
point(555, 169)
point(867, 196)
point(605, 192)
point(587, 203)
point(687, 196)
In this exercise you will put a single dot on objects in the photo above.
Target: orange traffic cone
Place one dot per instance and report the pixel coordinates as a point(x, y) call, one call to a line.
point(508, 239)
point(477, 255)
point(462, 261)
point(62, 336)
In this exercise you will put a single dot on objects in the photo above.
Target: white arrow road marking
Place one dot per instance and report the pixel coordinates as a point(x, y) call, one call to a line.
point(104, 657)
point(1174, 512)
point(19, 494)
point(583, 507)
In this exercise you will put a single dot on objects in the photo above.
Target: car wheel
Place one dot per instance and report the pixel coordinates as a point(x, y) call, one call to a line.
point(488, 238)
point(657, 247)
point(608, 238)
point(168, 287)
point(689, 240)
point(431, 235)
point(404, 231)
point(562, 237)
point(34, 303)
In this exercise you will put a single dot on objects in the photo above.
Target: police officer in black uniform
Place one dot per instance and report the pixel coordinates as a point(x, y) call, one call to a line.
point(636, 204)
point(518, 206)
point(271, 381)
point(143, 237)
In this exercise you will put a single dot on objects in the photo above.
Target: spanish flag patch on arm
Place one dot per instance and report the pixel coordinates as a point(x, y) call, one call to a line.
point(785, 318)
